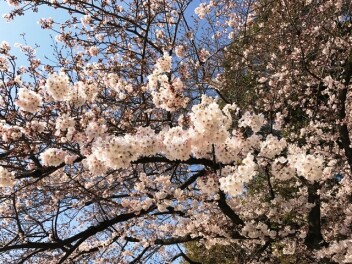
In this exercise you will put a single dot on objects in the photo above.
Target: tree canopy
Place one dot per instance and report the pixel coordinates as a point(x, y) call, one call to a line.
point(223, 125)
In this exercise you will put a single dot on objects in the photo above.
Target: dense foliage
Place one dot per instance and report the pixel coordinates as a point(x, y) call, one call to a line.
point(224, 124)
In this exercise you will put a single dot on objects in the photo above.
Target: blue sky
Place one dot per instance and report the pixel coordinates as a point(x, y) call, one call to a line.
point(34, 34)
point(11, 32)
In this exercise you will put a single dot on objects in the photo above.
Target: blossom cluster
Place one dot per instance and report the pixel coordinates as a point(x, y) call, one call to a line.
point(57, 86)
point(4, 65)
point(81, 92)
point(233, 183)
point(9, 133)
point(180, 51)
point(255, 230)
point(255, 122)
point(6, 178)
point(167, 94)
point(209, 186)
point(202, 10)
point(208, 128)
point(4, 47)
point(272, 146)
point(46, 23)
point(28, 100)
point(65, 123)
point(309, 166)
point(281, 170)
point(53, 157)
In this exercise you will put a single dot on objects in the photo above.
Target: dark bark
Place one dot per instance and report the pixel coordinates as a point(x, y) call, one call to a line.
point(226, 209)
point(343, 129)
point(314, 238)
point(190, 161)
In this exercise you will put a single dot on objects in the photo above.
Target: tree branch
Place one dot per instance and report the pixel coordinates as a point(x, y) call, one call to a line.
point(226, 209)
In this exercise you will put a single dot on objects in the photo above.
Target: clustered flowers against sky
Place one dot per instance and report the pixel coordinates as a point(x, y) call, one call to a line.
point(130, 126)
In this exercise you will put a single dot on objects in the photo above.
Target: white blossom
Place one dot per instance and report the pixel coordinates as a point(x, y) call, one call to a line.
point(57, 86)
point(28, 100)
point(7, 179)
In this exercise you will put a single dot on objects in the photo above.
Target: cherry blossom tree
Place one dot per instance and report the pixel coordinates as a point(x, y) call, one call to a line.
point(129, 143)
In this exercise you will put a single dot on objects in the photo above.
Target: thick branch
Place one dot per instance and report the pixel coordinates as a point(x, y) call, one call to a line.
point(167, 241)
point(344, 134)
point(314, 238)
point(190, 161)
point(226, 209)
point(192, 179)
point(44, 171)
